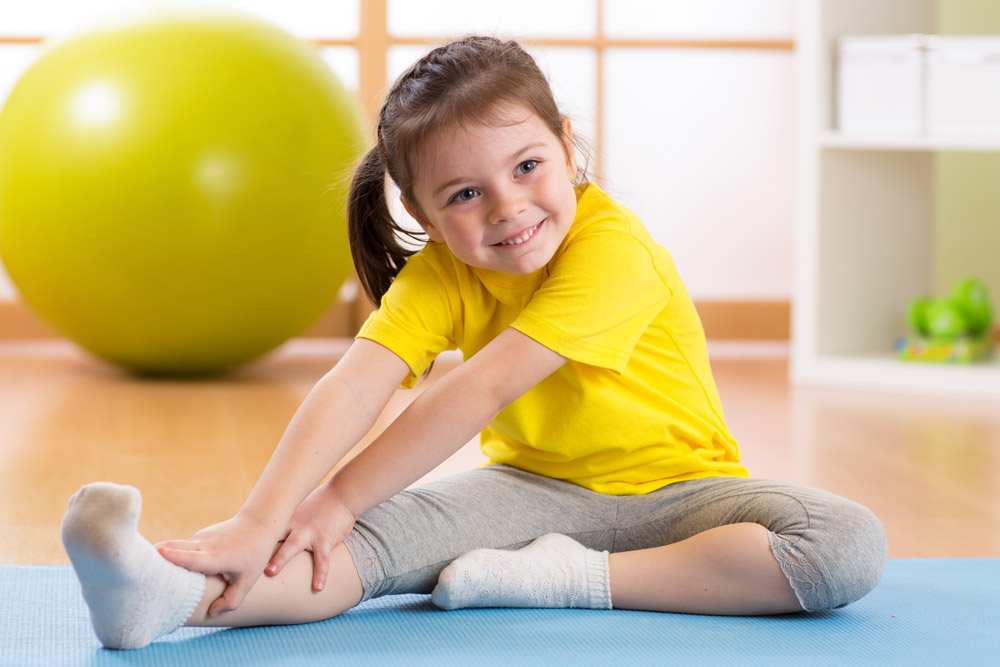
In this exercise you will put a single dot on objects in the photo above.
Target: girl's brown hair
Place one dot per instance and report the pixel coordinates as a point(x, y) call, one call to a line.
point(464, 82)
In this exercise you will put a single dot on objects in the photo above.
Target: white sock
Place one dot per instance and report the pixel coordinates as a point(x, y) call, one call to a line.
point(134, 594)
point(552, 571)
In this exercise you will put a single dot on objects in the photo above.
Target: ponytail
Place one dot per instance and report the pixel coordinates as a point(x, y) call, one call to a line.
point(374, 235)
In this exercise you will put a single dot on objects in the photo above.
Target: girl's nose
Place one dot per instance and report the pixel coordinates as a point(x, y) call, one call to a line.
point(507, 206)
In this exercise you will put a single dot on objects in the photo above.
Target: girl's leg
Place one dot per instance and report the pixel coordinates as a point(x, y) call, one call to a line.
point(728, 570)
point(731, 541)
point(723, 546)
point(400, 546)
point(135, 595)
point(403, 544)
point(287, 598)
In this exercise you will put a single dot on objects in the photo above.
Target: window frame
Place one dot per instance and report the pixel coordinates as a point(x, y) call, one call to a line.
point(374, 40)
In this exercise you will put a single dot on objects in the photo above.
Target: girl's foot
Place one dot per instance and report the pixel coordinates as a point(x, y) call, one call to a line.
point(134, 594)
point(552, 571)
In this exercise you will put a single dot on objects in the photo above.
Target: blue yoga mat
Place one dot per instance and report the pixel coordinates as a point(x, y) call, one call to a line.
point(940, 612)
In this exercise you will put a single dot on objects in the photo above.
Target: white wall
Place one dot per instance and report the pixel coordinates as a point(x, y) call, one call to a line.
point(700, 145)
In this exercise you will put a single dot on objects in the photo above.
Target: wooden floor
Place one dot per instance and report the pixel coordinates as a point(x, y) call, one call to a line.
point(929, 467)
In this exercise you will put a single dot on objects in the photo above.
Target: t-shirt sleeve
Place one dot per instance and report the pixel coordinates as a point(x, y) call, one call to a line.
point(601, 295)
point(414, 319)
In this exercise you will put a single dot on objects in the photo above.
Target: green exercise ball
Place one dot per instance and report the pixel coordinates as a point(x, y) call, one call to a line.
point(173, 188)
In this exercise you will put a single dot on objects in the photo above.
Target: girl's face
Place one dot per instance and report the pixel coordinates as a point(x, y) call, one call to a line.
point(500, 196)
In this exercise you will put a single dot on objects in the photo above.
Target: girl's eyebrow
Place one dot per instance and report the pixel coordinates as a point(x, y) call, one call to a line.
point(529, 147)
point(516, 154)
point(453, 182)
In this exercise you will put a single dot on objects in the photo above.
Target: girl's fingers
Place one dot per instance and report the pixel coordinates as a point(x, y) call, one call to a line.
point(285, 553)
point(179, 545)
point(231, 598)
point(189, 560)
point(321, 566)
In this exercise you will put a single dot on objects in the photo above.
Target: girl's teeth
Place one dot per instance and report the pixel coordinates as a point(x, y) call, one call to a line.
point(522, 238)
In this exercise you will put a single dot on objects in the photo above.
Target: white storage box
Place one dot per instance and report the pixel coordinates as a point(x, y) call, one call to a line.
point(880, 84)
point(963, 85)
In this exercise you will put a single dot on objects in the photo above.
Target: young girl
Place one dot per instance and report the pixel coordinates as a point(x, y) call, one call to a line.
point(613, 480)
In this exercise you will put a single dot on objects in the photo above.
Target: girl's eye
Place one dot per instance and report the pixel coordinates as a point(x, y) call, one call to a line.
point(465, 195)
point(526, 166)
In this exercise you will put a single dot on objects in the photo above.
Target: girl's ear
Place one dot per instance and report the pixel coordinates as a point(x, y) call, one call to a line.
point(432, 232)
point(570, 148)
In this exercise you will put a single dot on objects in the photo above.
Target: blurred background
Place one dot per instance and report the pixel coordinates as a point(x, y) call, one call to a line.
point(688, 106)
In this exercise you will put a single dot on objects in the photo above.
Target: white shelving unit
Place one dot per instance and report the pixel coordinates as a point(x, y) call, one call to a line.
point(865, 235)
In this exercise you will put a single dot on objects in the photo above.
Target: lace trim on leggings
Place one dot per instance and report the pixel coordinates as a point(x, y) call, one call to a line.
point(808, 583)
point(366, 560)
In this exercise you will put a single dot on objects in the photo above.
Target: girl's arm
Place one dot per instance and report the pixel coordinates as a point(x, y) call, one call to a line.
point(442, 419)
point(336, 414)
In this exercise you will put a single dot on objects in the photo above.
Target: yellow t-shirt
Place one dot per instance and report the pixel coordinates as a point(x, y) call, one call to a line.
point(634, 409)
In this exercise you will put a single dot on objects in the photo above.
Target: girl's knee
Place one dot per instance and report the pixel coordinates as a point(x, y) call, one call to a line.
point(864, 552)
point(838, 560)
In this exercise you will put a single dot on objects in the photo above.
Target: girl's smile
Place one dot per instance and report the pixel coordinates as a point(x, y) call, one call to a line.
point(520, 238)
point(499, 195)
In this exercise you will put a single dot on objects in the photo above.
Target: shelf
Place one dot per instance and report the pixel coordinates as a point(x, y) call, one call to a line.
point(886, 373)
point(866, 220)
point(844, 141)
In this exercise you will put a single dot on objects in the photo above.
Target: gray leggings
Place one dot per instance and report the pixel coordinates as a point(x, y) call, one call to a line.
point(832, 550)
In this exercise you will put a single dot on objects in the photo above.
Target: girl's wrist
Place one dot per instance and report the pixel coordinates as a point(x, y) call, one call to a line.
point(337, 493)
point(262, 520)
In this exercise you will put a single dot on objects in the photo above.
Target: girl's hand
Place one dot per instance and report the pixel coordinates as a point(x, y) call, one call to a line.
point(236, 549)
point(319, 524)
